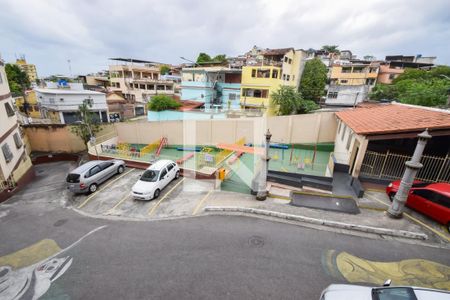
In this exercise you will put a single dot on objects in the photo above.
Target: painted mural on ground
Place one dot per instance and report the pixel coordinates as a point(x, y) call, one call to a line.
point(28, 273)
point(411, 272)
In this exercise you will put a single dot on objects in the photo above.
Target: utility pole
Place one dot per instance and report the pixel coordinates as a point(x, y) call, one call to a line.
point(412, 167)
point(262, 192)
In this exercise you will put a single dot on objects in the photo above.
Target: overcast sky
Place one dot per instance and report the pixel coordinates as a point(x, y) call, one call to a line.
point(49, 32)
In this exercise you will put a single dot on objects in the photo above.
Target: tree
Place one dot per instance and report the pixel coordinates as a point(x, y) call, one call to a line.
point(331, 48)
point(17, 79)
point(203, 58)
point(416, 86)
point(163, 102)
point(220, 58)
point(164, 69)
point(290, 101)
point(88, 126)
point(314, 79)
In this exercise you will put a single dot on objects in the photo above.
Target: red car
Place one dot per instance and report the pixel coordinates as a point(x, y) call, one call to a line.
point(431, 199)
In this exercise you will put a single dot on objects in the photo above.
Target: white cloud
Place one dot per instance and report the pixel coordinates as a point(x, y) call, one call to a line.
point(88, 32)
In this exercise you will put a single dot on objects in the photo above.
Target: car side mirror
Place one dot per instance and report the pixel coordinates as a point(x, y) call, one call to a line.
point(387, 282)
point(140, 175)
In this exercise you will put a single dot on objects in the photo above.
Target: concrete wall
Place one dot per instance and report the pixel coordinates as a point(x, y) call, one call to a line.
point(306, 129)
point(57, 138)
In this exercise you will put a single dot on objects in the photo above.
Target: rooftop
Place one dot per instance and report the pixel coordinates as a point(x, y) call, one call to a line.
point(393, 118)
point(67, 92)
point(280, 51)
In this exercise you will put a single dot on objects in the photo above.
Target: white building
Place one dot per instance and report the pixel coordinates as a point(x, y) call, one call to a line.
point(14, 160)
point(61, 105)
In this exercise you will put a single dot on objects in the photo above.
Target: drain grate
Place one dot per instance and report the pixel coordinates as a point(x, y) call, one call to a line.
point(256, 241)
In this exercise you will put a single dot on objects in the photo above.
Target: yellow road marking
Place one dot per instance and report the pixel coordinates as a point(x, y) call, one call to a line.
point(120, 202)
point(200, 203)
point(284, 169)
point(104, 187)
point(439, 233)
point(152, 209)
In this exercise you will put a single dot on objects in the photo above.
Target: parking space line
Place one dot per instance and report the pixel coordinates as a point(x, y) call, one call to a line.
point(153, 209)
point(200, 203)
point(442, 235)
point(104, 187)
point(119, 203)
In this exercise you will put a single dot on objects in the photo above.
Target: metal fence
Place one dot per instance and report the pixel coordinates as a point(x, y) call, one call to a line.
point(391, 166)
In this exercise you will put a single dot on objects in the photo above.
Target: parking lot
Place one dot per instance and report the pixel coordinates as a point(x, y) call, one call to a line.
point(179, 198)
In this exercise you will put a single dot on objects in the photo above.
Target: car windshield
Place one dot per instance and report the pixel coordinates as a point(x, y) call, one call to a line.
point(400, 293)
point(150, 176)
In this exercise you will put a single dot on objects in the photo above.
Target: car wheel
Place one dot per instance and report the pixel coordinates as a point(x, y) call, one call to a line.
point(92, 188)
point(156, 194)
point(391, 196)
point(177, 175)
point(120, 169)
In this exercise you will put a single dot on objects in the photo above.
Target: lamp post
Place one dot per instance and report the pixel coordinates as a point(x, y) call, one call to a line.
point(412, 167)
point(262, 192)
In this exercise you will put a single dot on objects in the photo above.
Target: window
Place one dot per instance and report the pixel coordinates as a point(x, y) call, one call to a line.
point(232, 96)
point(89, 101)
point(287, 77)
point(51, 100)
point(289, 61)
point(255, 93)
point(274, 73)
point(169, 167)
point(263, 73)
point(142, 86)
point(433, 197)
point(284, 76)
point(358, 69)
point(344, 81)
point(9, 110)
point(346, 70)
point(343, 133)
point(163, 173)
point(339, 127)
point(118, 85)
point(349, 141)
point(17, 140)
point(106, 165)
point(370, 81)
point(94, 171)
point(253, 73)
point(396, 293)
point(285, 59)
point(7, 153)
point(332, 95)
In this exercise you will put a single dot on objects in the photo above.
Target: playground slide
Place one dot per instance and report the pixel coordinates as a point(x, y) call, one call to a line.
point(245, 174)
point(185, 158)
point(162, 143)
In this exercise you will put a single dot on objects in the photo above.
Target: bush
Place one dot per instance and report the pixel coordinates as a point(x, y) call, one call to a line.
point(163, 102)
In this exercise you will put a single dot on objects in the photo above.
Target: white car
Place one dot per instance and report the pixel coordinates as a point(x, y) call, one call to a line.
point(357, 292)
point(155, 179)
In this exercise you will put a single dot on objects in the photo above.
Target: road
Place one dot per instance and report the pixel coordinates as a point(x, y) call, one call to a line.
point(231, 257)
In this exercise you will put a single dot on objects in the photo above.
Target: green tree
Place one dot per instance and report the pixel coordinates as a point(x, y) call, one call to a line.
point(416, 86)
point(220, 58)
point(203, 58)
point(17, 79)
point(163, 102)
point(331, 48)
point(290, 101)
point(164, 69)
point(314, 78)
point(88, 125)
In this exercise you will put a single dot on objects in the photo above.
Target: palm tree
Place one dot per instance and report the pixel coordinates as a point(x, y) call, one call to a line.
point(331, 48)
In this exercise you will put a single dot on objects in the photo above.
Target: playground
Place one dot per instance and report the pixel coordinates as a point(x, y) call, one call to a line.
point(238, 159)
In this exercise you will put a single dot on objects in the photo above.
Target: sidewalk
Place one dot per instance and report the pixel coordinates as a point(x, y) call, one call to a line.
point(371, 220)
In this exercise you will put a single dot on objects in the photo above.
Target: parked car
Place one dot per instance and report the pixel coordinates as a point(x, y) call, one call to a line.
point(348, 291)
point(155, 179)
point(87, 177)
point(431, 199)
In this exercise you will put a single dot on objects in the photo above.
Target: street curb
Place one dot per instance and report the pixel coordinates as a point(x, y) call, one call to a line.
point(362, 228)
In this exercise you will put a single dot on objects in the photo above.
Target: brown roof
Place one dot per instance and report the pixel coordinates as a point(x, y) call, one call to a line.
point(392, 118)
point(280, 51)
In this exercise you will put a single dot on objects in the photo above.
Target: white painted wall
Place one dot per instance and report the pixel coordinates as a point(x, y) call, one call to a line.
point(61, 101)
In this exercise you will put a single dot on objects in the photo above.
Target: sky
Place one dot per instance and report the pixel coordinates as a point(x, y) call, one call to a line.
point(51, 32)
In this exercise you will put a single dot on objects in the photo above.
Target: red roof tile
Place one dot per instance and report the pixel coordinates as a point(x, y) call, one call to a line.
point(391, 118)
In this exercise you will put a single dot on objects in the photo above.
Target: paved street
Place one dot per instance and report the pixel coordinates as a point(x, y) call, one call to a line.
point(49, 250)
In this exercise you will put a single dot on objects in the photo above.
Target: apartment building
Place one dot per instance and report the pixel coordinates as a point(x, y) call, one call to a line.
point(15, 163)
point(351, 81)
point(138, 81)
point(212, 86)
point(29, 69)
point(61, 105)
point(28, 105)
point(272, 69)
point(394, 65)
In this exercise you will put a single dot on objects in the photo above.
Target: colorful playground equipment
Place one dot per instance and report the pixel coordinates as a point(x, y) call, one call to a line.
point(163, 142)
point(185, 158)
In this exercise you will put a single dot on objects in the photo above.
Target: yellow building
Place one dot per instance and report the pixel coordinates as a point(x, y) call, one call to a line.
point(354, 74)
point(32, 106)
point(276, 67)
point(29, 69)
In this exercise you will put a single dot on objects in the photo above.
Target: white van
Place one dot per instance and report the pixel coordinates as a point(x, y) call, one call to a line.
point(154, 179)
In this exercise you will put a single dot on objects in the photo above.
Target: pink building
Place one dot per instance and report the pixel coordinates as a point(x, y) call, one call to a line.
point(388, 73)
